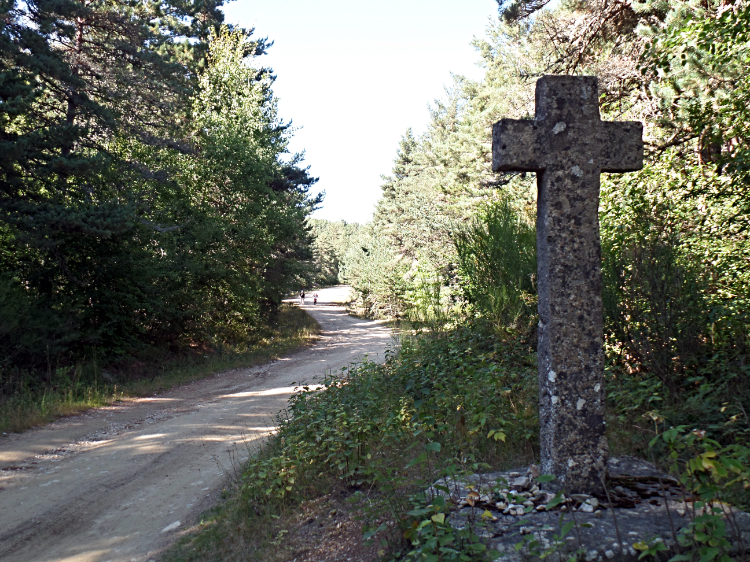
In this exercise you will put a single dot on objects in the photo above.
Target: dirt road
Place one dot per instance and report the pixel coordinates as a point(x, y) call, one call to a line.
point(120, 483)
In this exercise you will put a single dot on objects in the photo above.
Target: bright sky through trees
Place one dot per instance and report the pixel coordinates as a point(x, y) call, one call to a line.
point(354, 75)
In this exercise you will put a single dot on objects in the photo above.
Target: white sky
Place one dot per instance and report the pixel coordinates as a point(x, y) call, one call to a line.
point(354, 75)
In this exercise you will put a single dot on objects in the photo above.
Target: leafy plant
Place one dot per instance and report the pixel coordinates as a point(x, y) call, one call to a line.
point(497, 261)
point(712, 474)
point(434, 539)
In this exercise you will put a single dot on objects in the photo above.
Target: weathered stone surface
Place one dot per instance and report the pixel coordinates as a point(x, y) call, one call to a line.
point(601, 531)
point(596, 533)
point(568, 146)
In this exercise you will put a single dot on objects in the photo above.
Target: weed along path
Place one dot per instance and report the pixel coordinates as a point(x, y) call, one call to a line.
point(121, 483)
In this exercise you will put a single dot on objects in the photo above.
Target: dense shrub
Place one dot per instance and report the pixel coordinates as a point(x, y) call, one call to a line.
point(675, 299)
point(497, 262)
point(394, 429)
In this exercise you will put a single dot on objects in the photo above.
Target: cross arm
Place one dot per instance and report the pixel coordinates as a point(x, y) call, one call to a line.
point(517, 146)
point(621, 146)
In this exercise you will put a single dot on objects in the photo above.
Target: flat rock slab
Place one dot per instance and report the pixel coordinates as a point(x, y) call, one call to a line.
point(657, 514)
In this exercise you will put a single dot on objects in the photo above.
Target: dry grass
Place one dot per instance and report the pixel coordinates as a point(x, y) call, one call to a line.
point(292, 330)
point(325, 528)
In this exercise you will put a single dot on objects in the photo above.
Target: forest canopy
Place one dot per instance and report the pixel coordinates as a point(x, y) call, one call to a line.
point(147, 197)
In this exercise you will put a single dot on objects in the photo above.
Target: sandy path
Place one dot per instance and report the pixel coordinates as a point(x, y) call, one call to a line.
point(120, 483)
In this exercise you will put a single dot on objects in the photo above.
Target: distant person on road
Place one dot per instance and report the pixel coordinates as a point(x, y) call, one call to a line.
point(315, 298)
point(302, 297)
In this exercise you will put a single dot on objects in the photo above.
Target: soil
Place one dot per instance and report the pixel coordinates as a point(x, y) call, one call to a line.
point(328, 529)
point(120, 483)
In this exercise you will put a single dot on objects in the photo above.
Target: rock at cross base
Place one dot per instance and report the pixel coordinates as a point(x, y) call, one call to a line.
point(568, 146)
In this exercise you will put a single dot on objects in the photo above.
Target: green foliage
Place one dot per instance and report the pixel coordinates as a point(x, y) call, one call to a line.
point(443, 177)
point(653, 300)
point(153, 205)
point(331, 242)
point(675, 267)
point(434, 539)
point(398, 427)
point(675, 297)
point(28, 326)
point(497, 262)
point(713, 474)
point(376, 274)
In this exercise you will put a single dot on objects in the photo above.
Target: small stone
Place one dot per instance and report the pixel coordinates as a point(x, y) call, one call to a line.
point(514, 474)
point(528, 503)
point(593, 501)
point(540, 508)
point(520, 483)
point(534, 489)
point(599, 514)
point(609, 554)
point(586, 508)
point(580, 498)
point(171, 527)
point(519, 511)
point(501, 506)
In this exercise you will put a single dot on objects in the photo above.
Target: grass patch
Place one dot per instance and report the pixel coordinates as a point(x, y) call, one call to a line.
point(72, 390)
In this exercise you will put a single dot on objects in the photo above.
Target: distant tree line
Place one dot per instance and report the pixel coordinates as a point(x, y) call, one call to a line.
point(331, 241)
point(146, 194)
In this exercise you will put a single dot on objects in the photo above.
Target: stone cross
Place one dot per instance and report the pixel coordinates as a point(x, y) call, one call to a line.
point(568, 146)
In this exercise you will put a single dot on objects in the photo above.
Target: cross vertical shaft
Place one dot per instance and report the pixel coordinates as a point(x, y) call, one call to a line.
point(568, 146)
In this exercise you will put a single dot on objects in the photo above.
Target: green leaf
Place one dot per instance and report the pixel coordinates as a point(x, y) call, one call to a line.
point(420, 459)
point(710, 553)
point(438, 518)
point(419, 512)
point(554, 502)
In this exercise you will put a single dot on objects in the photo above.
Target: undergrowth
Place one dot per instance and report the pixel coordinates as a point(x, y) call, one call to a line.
point(451, 402)
point(25, 403)
point(385, 434)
